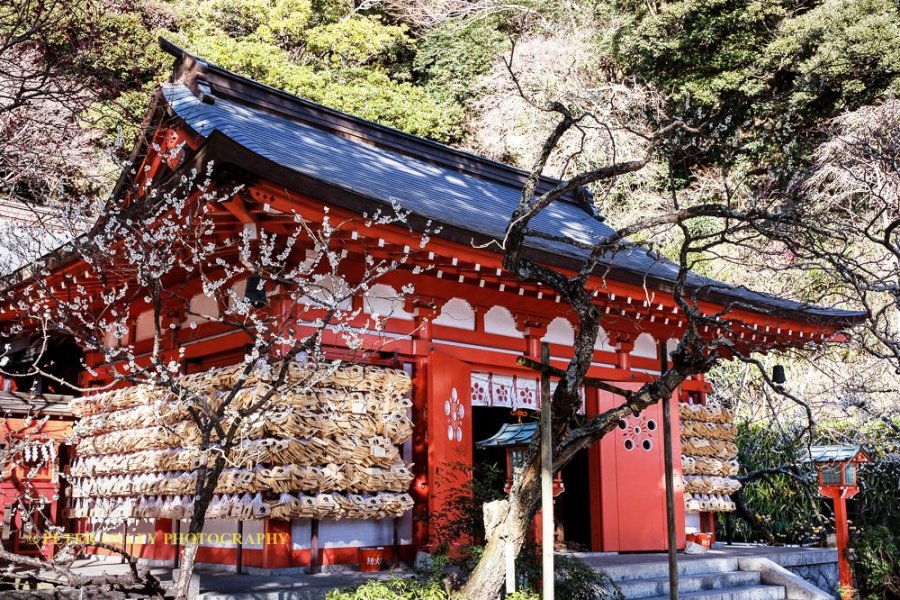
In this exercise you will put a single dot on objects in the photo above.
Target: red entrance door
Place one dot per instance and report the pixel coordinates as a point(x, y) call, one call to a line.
point(632, 509)
point(449, 442)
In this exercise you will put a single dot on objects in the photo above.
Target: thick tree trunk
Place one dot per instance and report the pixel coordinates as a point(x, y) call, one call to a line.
point(210, 478)
point(487, 579)
point(186, 568)
point(518, 512)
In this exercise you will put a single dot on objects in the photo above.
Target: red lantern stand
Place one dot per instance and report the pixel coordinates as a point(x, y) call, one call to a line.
point(837, 470)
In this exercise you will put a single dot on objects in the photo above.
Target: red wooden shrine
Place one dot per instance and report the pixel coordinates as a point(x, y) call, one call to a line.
point(30, 486)
point(458, 336)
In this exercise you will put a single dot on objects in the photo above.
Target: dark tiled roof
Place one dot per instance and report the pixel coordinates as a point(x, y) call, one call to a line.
point(385, 166)
point(510, 434)
point(12, 403)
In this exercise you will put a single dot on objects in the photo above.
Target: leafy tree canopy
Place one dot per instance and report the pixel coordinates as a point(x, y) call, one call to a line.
point(765, 75)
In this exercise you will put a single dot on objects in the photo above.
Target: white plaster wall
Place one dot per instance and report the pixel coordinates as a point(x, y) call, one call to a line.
point(499, 320)
point(325, 290)
point(352, 533)
point(112, 341)
point(384, 300)
point(671, 346)
point(603, 341)
point(456, 313)
point(228, 526)
point(644, 346)
point(143, 328)
point(692, 521)
point(560, 331)
point(253, 528)
point(202, 305)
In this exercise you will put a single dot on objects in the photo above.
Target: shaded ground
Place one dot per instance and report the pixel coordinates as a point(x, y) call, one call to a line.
point(296, 585)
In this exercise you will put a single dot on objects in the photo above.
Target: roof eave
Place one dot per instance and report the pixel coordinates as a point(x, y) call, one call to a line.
point(224, 150)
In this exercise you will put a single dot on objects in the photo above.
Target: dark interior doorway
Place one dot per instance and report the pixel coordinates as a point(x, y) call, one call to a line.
point(573, 506)
point(58, 356)
point(486, 421)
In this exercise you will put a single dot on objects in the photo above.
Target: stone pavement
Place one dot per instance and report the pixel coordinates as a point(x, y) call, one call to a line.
point(221, 585)
point(815, 564)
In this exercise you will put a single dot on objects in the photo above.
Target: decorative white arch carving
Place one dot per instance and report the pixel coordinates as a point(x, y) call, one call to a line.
point(325, 289)
point(500, 321)
point(143, 326)
point(645, 346)
point(456, 313)
point(204, 309)
point(560, 331)
point(111, 339)
point(671, 345)
point(383, 300)
point(602, 342)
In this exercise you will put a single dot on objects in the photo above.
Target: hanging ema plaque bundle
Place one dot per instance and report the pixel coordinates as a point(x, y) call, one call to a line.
point(324, 445)
point(708, 458)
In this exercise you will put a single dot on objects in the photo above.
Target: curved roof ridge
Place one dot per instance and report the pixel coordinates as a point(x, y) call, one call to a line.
point(208, 82)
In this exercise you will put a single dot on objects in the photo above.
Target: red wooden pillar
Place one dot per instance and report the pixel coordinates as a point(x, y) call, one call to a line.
point(420, 487)
point(591, 410)
point(842, 531)
point(276, 544)
point(449, 442)
point(624, 346)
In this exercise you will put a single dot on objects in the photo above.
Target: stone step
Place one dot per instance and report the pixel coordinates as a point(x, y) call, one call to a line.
point(659, 586)
point(752, 592)
point(658, 570)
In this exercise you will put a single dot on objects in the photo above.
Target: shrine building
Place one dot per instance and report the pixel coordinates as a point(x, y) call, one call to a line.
point(459, 334)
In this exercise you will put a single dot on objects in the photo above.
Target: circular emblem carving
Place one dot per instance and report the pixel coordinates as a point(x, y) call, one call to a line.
point(637, 432)
point(455, 412)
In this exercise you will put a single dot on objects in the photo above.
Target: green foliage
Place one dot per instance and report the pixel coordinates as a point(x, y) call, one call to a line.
point(762, 77)
point(455, 54)
point(704, 50)
point(790, 506)
point(465, 520)
point(524, 595)
point(878, 562)
point(393, 589)
point(124, 56)
point(575, 580)
point(357, 40)
point(796, 514)
point(355, 64)
point(841, 53)
point(327, 11)
point(875, 514)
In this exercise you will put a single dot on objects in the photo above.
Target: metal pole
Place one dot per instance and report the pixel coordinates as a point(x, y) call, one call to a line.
point(314, 564)
point(177, 542)
point(239, 566)
point(396, 540)
point(546, 478)
point(124, 540)
point(670, 485)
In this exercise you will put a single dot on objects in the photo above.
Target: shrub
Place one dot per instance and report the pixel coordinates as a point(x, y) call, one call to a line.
point(393, 589)
point(576, 580)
